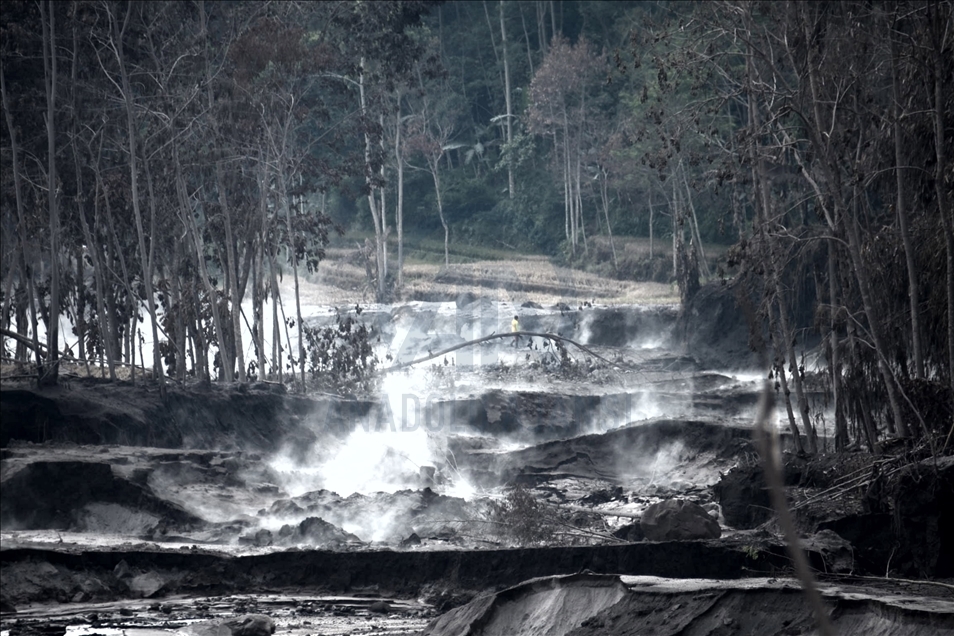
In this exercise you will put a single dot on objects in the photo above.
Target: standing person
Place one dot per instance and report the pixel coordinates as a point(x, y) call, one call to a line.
point(514, 328)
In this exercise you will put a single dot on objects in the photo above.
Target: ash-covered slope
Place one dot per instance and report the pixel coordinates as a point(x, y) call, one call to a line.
point(595, 605)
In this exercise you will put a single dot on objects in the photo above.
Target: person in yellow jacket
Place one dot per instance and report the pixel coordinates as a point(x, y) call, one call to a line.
point(514, 328)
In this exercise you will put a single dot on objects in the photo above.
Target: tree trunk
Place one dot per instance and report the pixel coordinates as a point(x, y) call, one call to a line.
point(372, 202)
point(841, 424)
point(604, 197)
point(276, 324)
point(867, 299)
point(694, 224)
point(258, 286)
point(112, 291)
point(435, 163)
point(867, 422)
point(833, 180)
point(940, 166)
point(98, 250)
point(526, 37)
point(8, 299)
point(256, 313)
point(542, 26)
point(26, 278)
point(553, 24)
point(503, 46)
point(384, 208)
point(566, 196)
point(650, 223)
point(177, 307)
point(192, 229)
point(134, 180)
point(577, 177)
point(283, 192)
point(131, 297)
point(399, 213)
point(48, 22)
point(149, 275)
point(200, 345)
point(81, 326)
point(789, 336)
point(786, 335)
point(783, 382)
point(913, 299)
point(232, 264)
point(80, 318)
point(21, 302)
point(676, 230)
point(766, 223)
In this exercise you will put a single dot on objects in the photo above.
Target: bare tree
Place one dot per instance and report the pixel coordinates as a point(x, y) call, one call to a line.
point(431, 134)
point(116, 44)
point(559, 111)
point(48, 21)
point(506, 65)
point(26, 275)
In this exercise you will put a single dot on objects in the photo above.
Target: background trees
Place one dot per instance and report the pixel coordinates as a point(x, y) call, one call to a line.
point(824, 129)
point(180, 152)
point(168, 162)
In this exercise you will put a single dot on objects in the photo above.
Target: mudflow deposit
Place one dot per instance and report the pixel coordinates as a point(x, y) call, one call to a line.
point(497, 489)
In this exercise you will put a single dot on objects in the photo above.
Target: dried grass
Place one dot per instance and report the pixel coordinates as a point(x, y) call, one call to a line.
point(340, 281)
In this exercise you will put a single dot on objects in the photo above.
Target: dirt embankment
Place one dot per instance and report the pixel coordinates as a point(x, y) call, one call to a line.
point(90, 411)
point(714, 327)
point(193, 472)
point(40, 574)
point(593, 605)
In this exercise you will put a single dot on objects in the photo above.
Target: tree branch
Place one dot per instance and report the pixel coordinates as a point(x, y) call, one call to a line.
point(496, 336)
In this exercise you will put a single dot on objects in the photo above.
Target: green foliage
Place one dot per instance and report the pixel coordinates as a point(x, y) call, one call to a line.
point(341, 357)
point(640, 127)
point(519, 519)
point(466, 199)
point(751, 551)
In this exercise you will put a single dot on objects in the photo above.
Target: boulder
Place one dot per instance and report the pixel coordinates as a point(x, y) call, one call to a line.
point(146, 584)
point(251, 625)
point(836, 554)
point(631, 532)
point(678, 520)
point(317, 531)
point(412, 540)
point(261, 538)
point(872, 540)
point(246, 625)
point(284, 508)
point(745, 501)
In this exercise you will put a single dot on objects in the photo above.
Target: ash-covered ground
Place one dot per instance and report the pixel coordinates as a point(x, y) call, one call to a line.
point(445, 491)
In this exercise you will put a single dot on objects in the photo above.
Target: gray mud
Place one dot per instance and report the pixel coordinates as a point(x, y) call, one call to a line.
point(597, 605)
point(345, 514)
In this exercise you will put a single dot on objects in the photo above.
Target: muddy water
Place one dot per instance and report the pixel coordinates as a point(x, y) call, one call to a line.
point(204, 616)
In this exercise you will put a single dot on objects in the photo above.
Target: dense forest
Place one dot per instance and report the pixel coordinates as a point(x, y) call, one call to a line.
point(163, 162)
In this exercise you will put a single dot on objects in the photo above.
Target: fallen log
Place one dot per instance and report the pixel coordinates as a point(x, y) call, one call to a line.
point(604, 513)
point(28, 343)
point(496, 336)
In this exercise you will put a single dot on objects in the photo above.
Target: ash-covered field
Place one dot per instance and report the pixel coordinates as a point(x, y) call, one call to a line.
point(499, 489)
